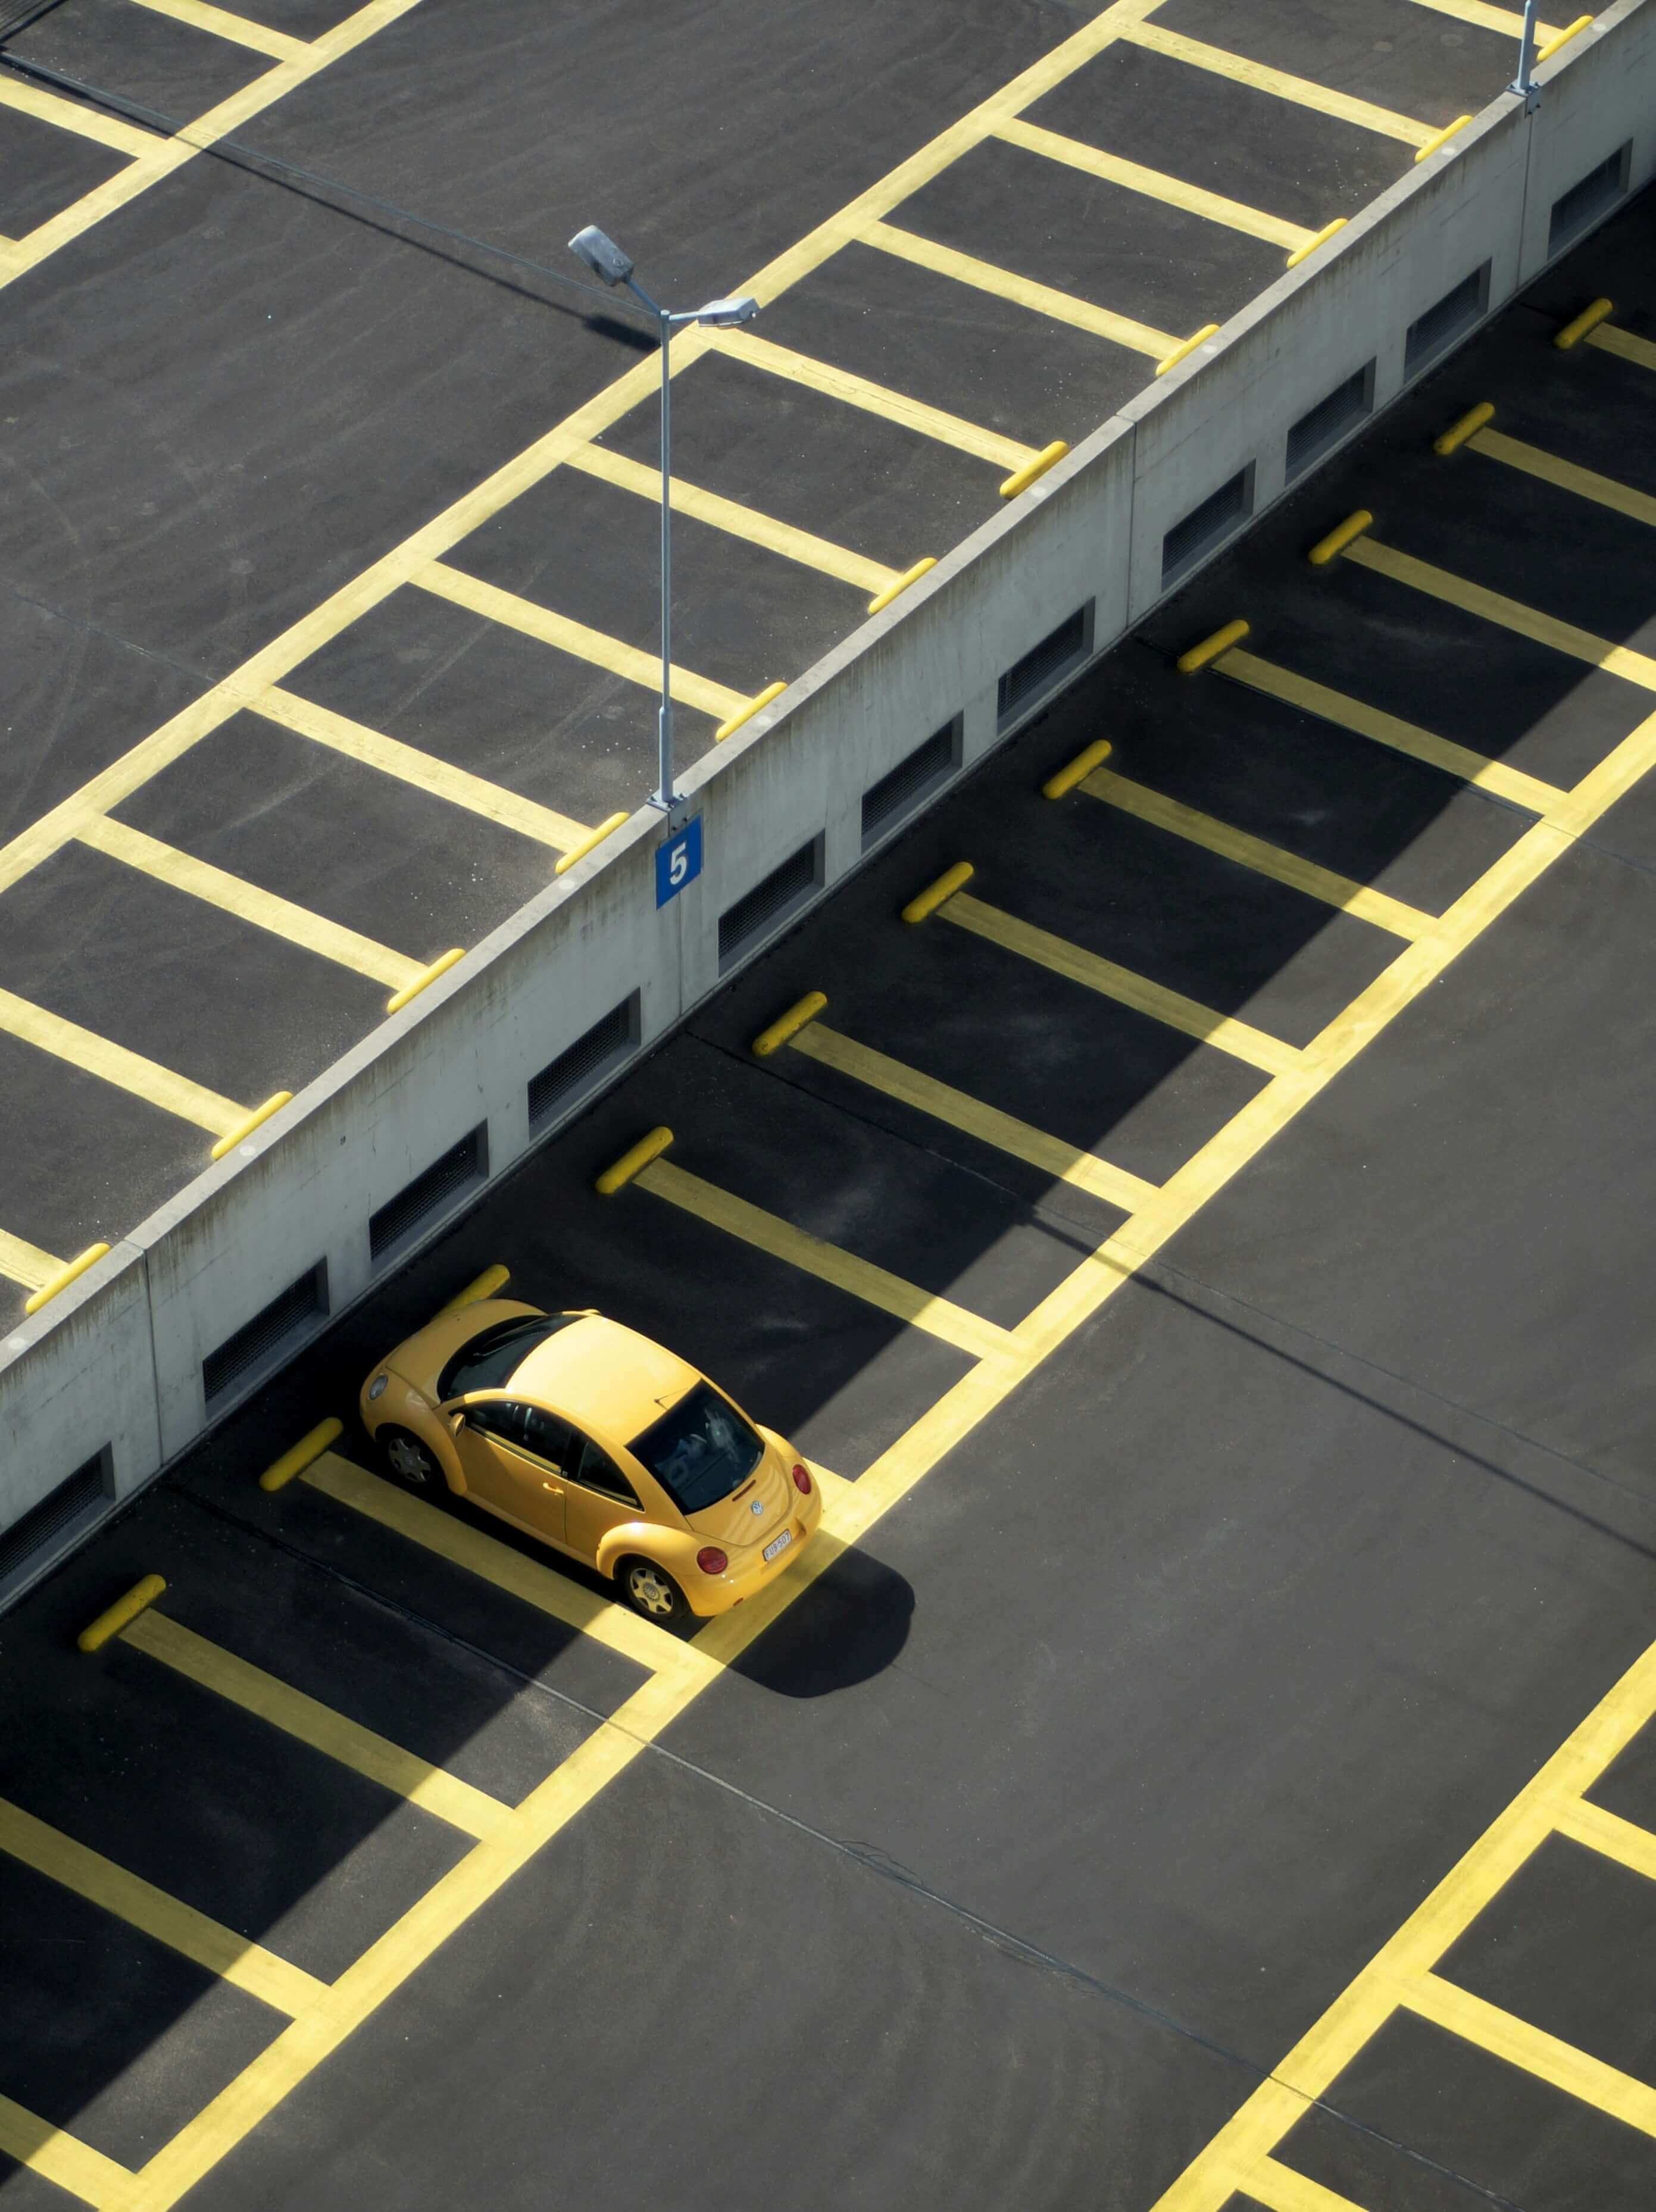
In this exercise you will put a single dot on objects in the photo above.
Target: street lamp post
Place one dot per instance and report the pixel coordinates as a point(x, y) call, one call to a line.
point(606, 260)
point(1523, 84)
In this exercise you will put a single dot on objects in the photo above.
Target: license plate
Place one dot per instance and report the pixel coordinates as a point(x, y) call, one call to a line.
point(779, 1544)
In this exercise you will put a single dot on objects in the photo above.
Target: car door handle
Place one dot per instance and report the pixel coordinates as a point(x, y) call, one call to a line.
point(557, 1488)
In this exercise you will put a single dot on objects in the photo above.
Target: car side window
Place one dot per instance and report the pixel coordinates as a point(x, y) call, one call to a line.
point(500, 1417)
point(549, 1437)
point(596, 1470)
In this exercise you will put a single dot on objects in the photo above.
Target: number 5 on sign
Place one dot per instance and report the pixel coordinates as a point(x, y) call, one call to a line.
point(679, 861)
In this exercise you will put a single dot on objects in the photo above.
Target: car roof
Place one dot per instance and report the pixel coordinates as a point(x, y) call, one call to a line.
point(606, 1376)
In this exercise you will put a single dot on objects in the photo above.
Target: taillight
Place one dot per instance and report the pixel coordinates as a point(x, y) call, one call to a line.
point(801, 1482)
point(712, 1560)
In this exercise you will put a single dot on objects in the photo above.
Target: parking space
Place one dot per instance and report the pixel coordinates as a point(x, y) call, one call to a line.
point(1185, 1198)
point(319, 372)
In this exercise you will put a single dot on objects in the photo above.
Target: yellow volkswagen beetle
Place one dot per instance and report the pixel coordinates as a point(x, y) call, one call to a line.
point(589, 1436)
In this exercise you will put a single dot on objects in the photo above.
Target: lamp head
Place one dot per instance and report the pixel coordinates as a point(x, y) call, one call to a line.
point(601, 255)
point(723, 313)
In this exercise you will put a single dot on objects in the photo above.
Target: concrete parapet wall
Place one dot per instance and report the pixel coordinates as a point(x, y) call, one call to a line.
point(112, 1370)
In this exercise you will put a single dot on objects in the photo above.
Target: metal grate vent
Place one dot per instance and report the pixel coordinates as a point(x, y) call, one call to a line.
point(782, 890)
point(1598, 190)
point(463, 1163)
point(576, 1069)
point(1204, 526)
point(1044, 665)
point(1329, 419)
point(258, 1339)
point(80, 1494)
point(894, 794)
point(1440, 325)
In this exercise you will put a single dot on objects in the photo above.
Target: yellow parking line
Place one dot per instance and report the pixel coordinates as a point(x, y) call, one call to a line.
point(1586, 484)
point(84, 121)
point(62, 2158)
point(1510, 614)
point(1610, 1835)
point(444, 1796)
point(1222, 63)
point(1156, 185)
point(830, 1263)
point(1280, 2188)
point(1114, 1186)
point(263, 909)
point(1364, 721)
point(25, 1263)
point(874, 398)
point(128, 1070)
point(1509, 21)
point(237, 29)
point(1022, 291)
point(737, 520)
point(576, 639)
point(390, 757)
point(606, 1622)
point(1283, 867)
point(233, 1957)
point(1609, 339)
point(1129, 988)
point(1547, 2057)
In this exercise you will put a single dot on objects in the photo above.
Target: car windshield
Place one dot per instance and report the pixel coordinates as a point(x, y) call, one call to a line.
point(495, 1354)
point(701, 1451)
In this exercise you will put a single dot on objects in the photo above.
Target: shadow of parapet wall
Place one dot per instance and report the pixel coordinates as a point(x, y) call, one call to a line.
point(109, 1376)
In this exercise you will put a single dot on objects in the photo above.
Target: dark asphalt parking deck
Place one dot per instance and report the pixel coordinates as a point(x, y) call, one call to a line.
point(223, 399)
point(1007, 1860)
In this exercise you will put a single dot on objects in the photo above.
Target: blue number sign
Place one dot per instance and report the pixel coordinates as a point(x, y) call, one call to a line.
point(679, 861)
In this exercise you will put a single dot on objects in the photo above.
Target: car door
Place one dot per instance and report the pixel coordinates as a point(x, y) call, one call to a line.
point(513, 1457)
point(597, 1497)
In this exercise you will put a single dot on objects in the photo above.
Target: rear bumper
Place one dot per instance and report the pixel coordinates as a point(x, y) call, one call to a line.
point(711, 1597)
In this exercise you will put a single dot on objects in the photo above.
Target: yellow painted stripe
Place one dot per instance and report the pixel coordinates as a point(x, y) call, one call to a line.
point(1364, 722)
point(1586, 484)
point(1547, 2057)
point(735, 520)
point(263, 909)
point(829, 1263)
point(444, 1796)
point(575, 638)
point(874, 398)
point(1156, 185)
point(113, 1063)
point(200, 17)
point(1609, 339)
point(1509, 21)
point(67, 115)
point(1129, 988)
point(25, 1263)
point(1022, 291)
point(1283, 867)
point(1114, 1186)
point(62, 2158)
point(390, 757)
point(273, 1981)
point(1280, 2188)
point(1221, 62)
point(553, 1594)
point(1510, 614)
point(1610, 1835)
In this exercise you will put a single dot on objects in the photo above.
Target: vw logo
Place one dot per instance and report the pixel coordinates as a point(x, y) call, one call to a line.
point(758, 1506)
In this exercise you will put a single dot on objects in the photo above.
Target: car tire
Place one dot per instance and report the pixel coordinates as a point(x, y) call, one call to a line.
point(410, 1464)
point(650, 1590)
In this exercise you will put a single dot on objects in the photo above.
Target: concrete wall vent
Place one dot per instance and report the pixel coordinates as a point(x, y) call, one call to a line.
point(1594, 195)
point(1045, 666)
point(1204, 526)
point(1430, 334)
point(1327, 422)
point(461, 1166)
point(582, 1065)
point(771, 901)
point(885, 803)
point(53, 1524)
point(269, 1335)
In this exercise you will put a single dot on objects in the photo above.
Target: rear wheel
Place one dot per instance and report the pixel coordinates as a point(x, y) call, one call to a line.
point(651, 1590)
point(410, 1464)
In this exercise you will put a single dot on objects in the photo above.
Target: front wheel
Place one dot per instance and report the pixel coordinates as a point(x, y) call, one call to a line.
point(410, 1464)
point(651, 1590)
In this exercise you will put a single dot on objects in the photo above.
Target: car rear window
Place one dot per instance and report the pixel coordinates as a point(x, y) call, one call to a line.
point(699, 1451)
point(495, 1354)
